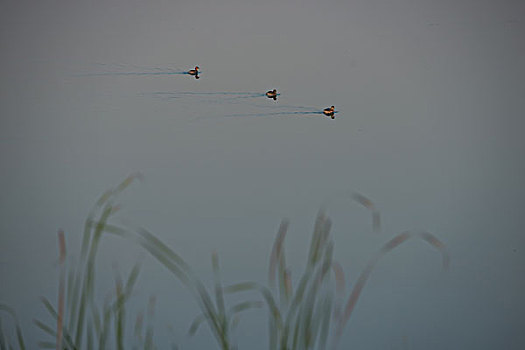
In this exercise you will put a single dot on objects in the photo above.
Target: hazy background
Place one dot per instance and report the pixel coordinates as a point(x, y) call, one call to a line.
point(431, 101)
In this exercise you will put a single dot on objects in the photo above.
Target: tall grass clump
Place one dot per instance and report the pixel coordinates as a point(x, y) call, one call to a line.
point(78, 321)
point(310, 315)
point(220, 319)
point(308, 312)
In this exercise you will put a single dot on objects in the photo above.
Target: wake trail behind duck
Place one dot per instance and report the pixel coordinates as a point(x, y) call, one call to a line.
point(217, 97)
point(198, 93)
point(275, 114)
point(159, 72)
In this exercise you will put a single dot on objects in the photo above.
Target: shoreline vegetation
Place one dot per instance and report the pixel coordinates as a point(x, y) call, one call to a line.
point(309, 314)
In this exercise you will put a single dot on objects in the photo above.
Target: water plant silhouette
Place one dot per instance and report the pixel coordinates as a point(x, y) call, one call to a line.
point(78, 322)
point(309, 314)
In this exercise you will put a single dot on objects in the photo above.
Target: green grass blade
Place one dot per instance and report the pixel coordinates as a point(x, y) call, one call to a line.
point(148, 338)
point(61, 288)
point(308, 324)
point(19, 335)
point(168, 263)
point(96, 320)
point(275, 322)
point(164, 249)
point(196, 324)
point(276, 251)
point(105, 327)
point(49, 307)
point(365, 274)
point(316, 239)
point(45, 328)
point(89, 337)
point(70, 284)
point(89, 277)
point(137, 330)
point(246, 305)
point(148, 342)
point(73, 299)
point(219, 300)
point(119, 314)
point(368, 204)
point(3, 345)
point(181, 270)
point(127, 181)
point(49, 330)
point(132, 278)
point(46, 345)
point(323, 319)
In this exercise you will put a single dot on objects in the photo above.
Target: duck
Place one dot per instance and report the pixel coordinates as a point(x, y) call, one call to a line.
point(194, 71)
point(272, 94)
point(329, 112)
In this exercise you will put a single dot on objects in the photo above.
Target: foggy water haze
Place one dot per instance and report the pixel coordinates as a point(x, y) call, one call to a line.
point(429, 100)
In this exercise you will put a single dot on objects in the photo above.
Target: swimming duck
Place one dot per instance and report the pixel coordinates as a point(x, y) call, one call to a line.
point(194, 71)
point(329, 112)
point(272, 94)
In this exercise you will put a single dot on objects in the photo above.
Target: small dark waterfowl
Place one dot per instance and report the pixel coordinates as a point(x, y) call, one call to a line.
point(272, 94)
point(194, 71)
point(329, 112)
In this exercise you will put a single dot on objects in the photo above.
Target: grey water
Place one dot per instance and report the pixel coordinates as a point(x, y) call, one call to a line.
point(429, 126)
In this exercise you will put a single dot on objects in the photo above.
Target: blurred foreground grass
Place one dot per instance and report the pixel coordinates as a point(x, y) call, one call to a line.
point(311, 314)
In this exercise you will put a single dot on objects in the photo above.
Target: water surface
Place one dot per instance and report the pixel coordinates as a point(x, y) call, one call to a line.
point(429, 125)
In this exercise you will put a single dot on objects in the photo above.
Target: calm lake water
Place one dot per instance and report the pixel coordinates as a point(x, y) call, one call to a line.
point(429, 126)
